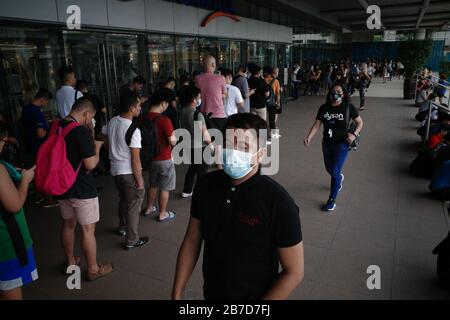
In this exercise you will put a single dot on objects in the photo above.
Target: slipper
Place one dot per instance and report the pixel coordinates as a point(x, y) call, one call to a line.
point(170, 217)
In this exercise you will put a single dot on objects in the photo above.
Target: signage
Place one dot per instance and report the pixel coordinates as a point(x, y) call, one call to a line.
point(216, 15)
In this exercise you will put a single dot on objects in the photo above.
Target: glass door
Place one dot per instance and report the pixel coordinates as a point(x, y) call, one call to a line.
point(161, 50)
point(86, 53)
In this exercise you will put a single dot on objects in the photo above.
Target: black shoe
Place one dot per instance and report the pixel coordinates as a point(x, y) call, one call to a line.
point(140, 243)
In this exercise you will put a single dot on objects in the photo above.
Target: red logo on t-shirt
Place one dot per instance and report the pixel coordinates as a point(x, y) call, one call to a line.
point(245, 218)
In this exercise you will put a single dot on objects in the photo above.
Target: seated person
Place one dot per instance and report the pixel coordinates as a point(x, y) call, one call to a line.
point(424, 109)
point(440, 182)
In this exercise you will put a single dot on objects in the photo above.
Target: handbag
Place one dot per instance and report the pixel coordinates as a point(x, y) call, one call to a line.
point(351, 127)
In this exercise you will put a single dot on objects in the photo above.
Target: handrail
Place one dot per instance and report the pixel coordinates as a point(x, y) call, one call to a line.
point(433, 106)
point(421, 74)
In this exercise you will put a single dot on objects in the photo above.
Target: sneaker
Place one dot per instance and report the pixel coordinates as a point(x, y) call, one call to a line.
point(140, 243)
point(276, 135)
point(148, 214)
point(342, 181)
point(185, 195)
point(330, 206)
point(122, 231)
point(103, 270)
point(362, 108)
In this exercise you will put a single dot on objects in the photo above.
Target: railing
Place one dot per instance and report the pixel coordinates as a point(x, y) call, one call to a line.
point(433, 106)
point(420, 74)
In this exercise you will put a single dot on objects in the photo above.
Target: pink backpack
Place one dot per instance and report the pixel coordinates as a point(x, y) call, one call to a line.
point(54, 173)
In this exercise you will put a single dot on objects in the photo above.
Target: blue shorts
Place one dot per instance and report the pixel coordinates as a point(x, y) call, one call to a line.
point(13, 276)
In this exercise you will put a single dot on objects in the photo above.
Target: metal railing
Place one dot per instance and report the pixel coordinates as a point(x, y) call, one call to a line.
point(420, 74)
point(433, 106)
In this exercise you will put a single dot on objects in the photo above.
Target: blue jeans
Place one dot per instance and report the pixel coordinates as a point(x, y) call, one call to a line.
point(334, 155)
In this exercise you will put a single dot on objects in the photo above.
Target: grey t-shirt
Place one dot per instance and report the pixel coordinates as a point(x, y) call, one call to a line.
point(242, 84)
point(187, 122)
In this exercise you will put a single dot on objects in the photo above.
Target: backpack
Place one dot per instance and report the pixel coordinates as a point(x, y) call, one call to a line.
point(271, 100)
point(300, 75)
point(207, 117)
point(443, 261)
point(149, 139)
point(54, 174)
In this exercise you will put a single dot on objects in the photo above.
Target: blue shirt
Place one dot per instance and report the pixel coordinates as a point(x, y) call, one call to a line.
point(32, 119)
point(441, 177)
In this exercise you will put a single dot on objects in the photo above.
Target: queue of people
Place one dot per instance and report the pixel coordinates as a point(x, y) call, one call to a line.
point(65, 154)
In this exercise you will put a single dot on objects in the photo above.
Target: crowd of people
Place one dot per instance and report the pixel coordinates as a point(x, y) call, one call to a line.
point(313, 79)
point(433, 160)
point(61, 159)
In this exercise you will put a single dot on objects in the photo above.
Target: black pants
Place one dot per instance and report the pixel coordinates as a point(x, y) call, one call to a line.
point(272, 111)
point(311, 86)
point(296, 89)
point(442, 194)
point(194, 172)
point(362, 93)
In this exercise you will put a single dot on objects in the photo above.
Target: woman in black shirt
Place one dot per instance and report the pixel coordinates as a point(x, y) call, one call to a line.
point(336, 138)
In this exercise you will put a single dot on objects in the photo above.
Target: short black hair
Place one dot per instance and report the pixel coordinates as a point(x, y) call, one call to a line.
point(267, 71)
point(3, 130)
point(140, 80)
point(247, 121)
point(43, 94)
point(84, 104)
point(184, 79)
point(162, 95)
point(242, 68)
point(64, 72)
point(227, 72)
point(128, 100)
point(255, 69)
point(170, 79)
point(82, 84)
point(188, 95)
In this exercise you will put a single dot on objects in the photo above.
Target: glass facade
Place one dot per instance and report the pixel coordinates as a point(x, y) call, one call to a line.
point(31, 57)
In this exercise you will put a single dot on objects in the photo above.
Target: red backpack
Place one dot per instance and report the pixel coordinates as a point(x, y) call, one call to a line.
point(54, 173)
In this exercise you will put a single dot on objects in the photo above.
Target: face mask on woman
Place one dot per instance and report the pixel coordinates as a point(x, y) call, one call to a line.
point(237, 164)
point(336, 97)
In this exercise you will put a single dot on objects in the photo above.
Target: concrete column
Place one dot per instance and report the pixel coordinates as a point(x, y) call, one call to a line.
point(420, 34)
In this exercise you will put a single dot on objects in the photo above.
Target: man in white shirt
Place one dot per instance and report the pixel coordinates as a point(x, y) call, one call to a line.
point(126, 168)
point(67, 95)
point(234, 102)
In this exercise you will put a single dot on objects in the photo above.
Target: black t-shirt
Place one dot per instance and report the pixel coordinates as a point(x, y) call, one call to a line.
point(79, 146)
point(242, 227)
point(258, 99)
point(334, 122)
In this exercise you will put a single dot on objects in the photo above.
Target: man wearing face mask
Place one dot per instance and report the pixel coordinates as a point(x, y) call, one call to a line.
point(249, 225)
point(80, 204)
point(336, 137)
point(162, 170)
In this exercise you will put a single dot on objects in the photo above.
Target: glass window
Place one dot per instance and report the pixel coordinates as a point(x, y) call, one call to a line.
point(223, 56)
point(238, 54)
point(27, 62)
point(162, 58)
point(187, 56)
point(257, 53)
point(208, 46)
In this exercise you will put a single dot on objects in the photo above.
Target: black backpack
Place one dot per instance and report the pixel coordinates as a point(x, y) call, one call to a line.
point(150, 141)
point(271, 101)
point(443, 261)
point(207, 117)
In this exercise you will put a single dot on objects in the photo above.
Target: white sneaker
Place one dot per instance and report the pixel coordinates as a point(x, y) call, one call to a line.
point(186, 195)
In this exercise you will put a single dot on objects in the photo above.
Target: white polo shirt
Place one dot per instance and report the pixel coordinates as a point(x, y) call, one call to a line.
point(233, 98)
point(65, 98)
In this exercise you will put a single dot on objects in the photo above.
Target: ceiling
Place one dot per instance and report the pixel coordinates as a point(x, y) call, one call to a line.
point(395, 14)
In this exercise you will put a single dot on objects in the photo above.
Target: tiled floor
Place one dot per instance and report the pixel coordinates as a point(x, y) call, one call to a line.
point(384, 217)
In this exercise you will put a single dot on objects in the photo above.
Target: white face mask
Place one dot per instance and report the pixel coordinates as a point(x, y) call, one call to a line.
point(198, 103)
point(237, 164)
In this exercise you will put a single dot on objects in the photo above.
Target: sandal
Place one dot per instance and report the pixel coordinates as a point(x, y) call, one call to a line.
point(170, 217)
point(103, 270)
